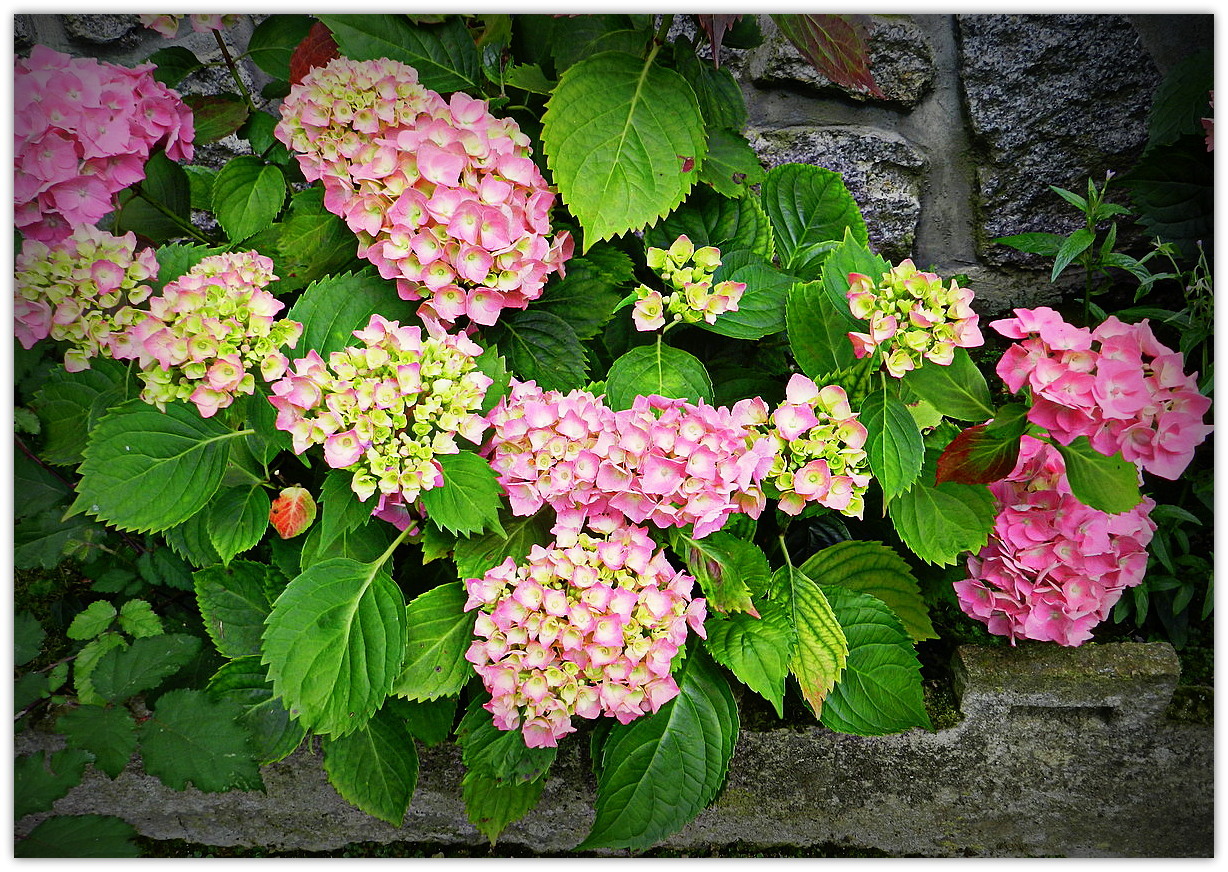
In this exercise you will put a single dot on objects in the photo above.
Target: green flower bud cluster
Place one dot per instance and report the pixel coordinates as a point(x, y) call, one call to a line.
point(688, 271)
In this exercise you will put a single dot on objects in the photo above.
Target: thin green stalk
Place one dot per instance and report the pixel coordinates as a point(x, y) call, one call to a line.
point(185, 226)
point(234, 71)
point(784, 550)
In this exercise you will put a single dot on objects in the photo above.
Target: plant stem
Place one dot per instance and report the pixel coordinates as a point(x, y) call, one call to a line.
point(383, 558)
point(234, 71)
point(174, 219)
point(784, 550)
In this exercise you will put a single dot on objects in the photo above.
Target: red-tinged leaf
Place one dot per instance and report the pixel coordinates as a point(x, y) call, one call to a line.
point(292, 512)
point(317, 48)
point(715, 26)
point(977, 456)
point(216, 115)
point(835, 45)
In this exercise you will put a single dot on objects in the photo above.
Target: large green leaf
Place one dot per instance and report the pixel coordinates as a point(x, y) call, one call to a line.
point(491, 805)
point(821, 650)
point(234, 602)
point(375, 767)
point(191, 738)
point(893, 443)
point(247, 196)
point(542, 347)
point(71, 403)
point(244, 681)
point(818, 334)
point(468, 500)
point(958, 390)
point(661, 770)
point(585, 299)
point(624, 139)
point(79, 835)
point(39, 779)
point(762, 308)
point(146, 470)
point(166, 185)
point(440, 632)
point(308, 244)
point(444, 55)
point(237, 519)
point(729, 570)
point(107, 733)
point(880, 691)
point(941, 522)
point(499, 754)
point(1107, 483)
point(341, 510)
point(173, 64)
point(732, 165)
point(756, 650)
point(657, 369)
point(332, 308)
point(143, 665)
point(334, 644)
point(851, 255)
point(808, 206)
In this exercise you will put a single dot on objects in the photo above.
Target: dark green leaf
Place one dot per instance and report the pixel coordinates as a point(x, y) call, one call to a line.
point(1109, 484)
point(234, 602)
point(71, 403)
point(174, 64)
point(893, 445)
point(375, 767)
point(476, 554)
point(28, 635)
point(244, 681)
point(429, 722)
point(657, 369)
point(941, 522)
point(709, 218)
point(440, 632)
point(818, 333)
point(308, 245)
point(499, 754)
point(143, 665)
point(341, 511)
point(82, 835)
point(332, 308)
point(756, 650)
point(39, 780)
point(167, 185)
point(958, 390)
point(763, 306)
point(732, 165)
point(444, 55)
point(468, 501)
point(585, 299)
point(274, 40)
point(238, 517)
point(491, 805)
point(35, 488)
point(247, 196)
point(191, 738)
point(109, 734)
point(1075, 244)
point(544, 348)
point(808, 205)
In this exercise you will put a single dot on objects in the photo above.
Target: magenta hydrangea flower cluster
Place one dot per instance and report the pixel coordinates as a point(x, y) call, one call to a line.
point(819, 456)
point(443, 196)
point(203, 337)
point(664, 461)
point(83, 131)
point(913, 318)
point(688, 271)
point(1117, 385)
point(589, 626)
point(75, 289)
point(168, 25)
point(1053, 567)
point(386, 408)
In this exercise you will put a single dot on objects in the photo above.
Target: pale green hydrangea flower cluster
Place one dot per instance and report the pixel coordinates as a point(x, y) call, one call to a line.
point(688, 270)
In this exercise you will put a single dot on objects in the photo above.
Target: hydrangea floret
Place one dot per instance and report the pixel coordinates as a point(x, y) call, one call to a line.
point(819, 456)
point(586, 627)
point(1053, 567)
point(73, 290)
point(912, 318)
point(203, 338)
point(168, 25)
point(443, 196)
point(83, 131)
point(688, 271)
point(1117, 385)
point(386, 408)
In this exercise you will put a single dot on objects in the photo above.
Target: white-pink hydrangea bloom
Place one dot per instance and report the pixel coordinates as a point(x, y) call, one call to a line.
point(443, 196)
point(386, 408)
point(664, 461)
point(83, 130)
point(75, 289)
point(586, 627)
point(168, 25)
point(1053, 567)
point(1117, 385)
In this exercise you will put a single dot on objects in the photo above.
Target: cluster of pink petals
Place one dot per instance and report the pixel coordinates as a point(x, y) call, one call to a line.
point(1117, 385)
point(664, 461)
point(201, 339)
point(83, 130)
point(73, 290)
point(587, 627)
point(443, 196)
point(913, 318)
point(386, 408)
point(819, 456)
point(168, 25)
point(1053, 567)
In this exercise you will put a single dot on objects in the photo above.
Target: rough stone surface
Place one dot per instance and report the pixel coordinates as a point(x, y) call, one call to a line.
point(1060, 752)
point(100, 28)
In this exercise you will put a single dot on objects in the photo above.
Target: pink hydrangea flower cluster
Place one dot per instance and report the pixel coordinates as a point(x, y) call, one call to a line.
point(913, 318)
point(83, 131)
point(819, 456)
point(386, 408)
point(74, 290)
point(442, 195)
point(689, 272)
point(203, 336)
point(168, 25)
point(587, 627)
point(1053, 567)
point(664, 461)
point(1117, 385)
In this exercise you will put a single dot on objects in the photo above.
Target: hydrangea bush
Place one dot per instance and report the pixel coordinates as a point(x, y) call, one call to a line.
point(496, 392)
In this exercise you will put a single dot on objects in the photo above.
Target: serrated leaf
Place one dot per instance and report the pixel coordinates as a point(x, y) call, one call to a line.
point(216, 116)
point(46, 539)
point(35, 489)
point(874, 568)
point(821, 650)
point(573, 38)
point(528, 77)
point(958, 390)
point(756, 650)
point(81, 835)
point(719, 95)
point(40, 779)
point(763, 306)
point(617, 133)
point(429, 722)
point(109, 734)
point(661, 770)
point(542, 347)
point(234, 602)
point(375, 767)
point(332, 308)
point(334, 643)
point(238, 517)
point(1108, 484)
point(166, 184)
point(444, 55)
point(585, 299)
point(818, 335)
point(364, 544)
point(71, 403)
point(308, 244)
point(440, 632)
point(161, 566)
point(468, 500)
point(835, 45)
point(732, 165)
point(191, 738)
point(808, 206)
point(177, 259)
point(499, 754)
point(87, 659)
point(28, 635)
point(1173, 191)
point(244, 681)
point(143, 665)
point(96, 618)
point(729, 570)
point(657, 369)
point(491, 806)
point(342, 510)
point(941, 522)
point(476, 554)
point(977, 456)
point(174, 64)
point(247, 196)
point(880, 691)
point(724, 222)
point(137, 619)
point(190, 540)
point(292, 512)
point(893, 445)
point(147, 470)
point(1075, 244)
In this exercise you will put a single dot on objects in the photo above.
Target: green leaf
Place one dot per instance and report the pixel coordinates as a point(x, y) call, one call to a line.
point(137, 619)
point(82, 835)
point(821, 650)
point(260, 132)
point(528, 77)
point(729, 570)
point(364, 544)
point(709, 218)
point(44, 540)
point(1109, 484)
point(894, 445)
point(143, 665)
point(808, 205)
point(244, 681)
point(756, 650)
point(96, 618)
point(71, 403)
point(1173, 189)
point(161, 566)
point(440, 632)
point(109, 734)
point(444, 55)
point(308, 244)
point(200, 183)
point(731, 166)
point(234, 602)
point(1075, 244)
point(585, 299)
point(334, 644)
point(661, 770)
point(177, 258)
point(880, 691)
point(1046, 244)
point(476, 554)
point(238, 518)
point(190, 540)
point(191, 738)
point(332, 308)
point(375, 767)
point(542, 347)
point(719, 95)
point(174, 64)
point(851, 255)
point(28, 635)
point(876, 569)
point(573, 38)
point(167, 185)
point(941, 522)
point(342, 510)
point(147, 470)
point(429, 722)
point(216, 116)
point(274, 40)
point(657, 369)
point(958, 390)
point(39, 780)
point(818, 334)
point(468, 501)
point(1182, 99)
point(87, 659)
point(978, 456)
point(491, 806)
point(499, 754)
point(618, 133)
point(247, 196)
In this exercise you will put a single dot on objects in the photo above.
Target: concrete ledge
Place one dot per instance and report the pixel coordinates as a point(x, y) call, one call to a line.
point(1061, 752)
